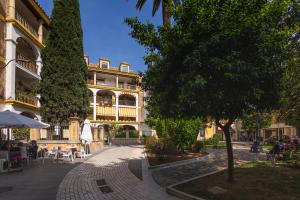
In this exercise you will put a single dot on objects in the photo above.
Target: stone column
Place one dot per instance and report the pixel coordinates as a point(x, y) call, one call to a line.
point(117, 106)
point(95, 106)
point(101, 133)
point(95, 78)
point(10, 70)
point(12, 9)
point(137, 107)
point(95, 134)
point(117, 81)
point(35, 134)
point(74, 129)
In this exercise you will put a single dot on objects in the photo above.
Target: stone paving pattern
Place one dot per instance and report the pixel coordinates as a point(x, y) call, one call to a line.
point(216, 160)
point(111, 165)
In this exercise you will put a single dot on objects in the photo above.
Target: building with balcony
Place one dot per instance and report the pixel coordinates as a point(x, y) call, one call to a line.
point(23, 29)
point(116, 100)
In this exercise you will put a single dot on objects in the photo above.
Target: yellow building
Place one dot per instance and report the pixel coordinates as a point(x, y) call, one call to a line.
point(23, 28)
point(116, 100)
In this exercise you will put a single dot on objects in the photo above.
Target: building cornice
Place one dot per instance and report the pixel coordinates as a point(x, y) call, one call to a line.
point(21, 104)
point(107, 71)
point(25, 31)
point(39, 11)
point(112, 88)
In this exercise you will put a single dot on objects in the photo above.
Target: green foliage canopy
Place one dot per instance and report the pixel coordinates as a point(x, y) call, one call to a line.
point(220, 59)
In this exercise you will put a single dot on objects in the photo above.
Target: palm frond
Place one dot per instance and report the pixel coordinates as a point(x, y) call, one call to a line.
point(156, 4)
point(140, 4)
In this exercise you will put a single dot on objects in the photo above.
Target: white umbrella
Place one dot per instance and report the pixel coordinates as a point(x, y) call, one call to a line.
point(10, 119)
point(86, 134)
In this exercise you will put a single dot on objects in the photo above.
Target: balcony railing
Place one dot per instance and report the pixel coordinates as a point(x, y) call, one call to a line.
point(127, 112)
point(26, 98)
point(131, 87)
point(25, 23)
point(106, 111)
point(31, 65)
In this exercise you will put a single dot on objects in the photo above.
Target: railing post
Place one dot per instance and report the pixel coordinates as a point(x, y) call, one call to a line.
point(74, 129)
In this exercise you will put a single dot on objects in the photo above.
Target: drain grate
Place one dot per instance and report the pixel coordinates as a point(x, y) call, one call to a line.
point(5, 189)
point(105, 189)
point(101, 182)
point(102, 185)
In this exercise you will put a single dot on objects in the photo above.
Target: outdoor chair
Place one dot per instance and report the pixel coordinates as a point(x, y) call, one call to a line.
point(68, 155)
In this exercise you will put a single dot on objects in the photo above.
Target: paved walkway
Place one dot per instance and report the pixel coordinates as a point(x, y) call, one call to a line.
point(109, 172)
point(36, 182)
point(217, 159)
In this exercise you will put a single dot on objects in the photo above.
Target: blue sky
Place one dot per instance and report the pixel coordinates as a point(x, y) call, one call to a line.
point(104, 33)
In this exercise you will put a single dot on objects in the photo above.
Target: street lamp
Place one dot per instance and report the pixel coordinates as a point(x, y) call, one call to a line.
point(22, 60)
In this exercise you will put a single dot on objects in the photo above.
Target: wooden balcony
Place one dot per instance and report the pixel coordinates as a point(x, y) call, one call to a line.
point(26, 24)
point(106, 111)
point(127, 112)
point(31, 65)
point(26, 98)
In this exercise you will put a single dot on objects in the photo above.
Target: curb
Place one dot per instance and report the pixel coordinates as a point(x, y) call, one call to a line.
point(182, 195)
point(181, 162)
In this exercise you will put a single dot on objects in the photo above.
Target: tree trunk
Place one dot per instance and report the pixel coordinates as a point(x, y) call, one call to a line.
point(230, 160)
point(165, 13)
point(229, 153)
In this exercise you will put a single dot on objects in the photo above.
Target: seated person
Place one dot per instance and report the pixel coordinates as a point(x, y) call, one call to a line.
point(276, 149)
point(255, 146)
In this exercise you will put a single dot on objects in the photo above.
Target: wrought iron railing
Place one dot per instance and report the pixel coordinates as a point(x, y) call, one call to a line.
point(26, 63)
point(26, 24)
point(26, 98)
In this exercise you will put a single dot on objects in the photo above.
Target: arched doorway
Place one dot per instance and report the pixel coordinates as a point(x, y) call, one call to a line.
point(126, 131)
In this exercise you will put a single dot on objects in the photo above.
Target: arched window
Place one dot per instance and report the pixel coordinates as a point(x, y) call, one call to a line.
point(127, 100)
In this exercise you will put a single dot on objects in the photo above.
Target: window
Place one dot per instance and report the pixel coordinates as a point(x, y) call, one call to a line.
point(121, 85)
point(100, 82)
point(104, 64)
point(125, 68)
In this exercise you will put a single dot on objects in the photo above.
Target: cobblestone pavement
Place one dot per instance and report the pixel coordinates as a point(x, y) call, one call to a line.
point(112, 166)
point(217, 159)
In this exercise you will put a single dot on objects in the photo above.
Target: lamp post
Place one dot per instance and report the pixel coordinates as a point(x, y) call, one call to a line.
point(257, 126)
point(23, 60)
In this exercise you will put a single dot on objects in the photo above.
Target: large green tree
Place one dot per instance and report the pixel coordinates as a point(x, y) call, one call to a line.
point(290, 100)
point(64, 74)
point(219, 60)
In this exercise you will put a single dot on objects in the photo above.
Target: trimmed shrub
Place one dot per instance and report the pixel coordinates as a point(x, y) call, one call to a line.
point(271, 141)
point(214, 141)
point(198, 146)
